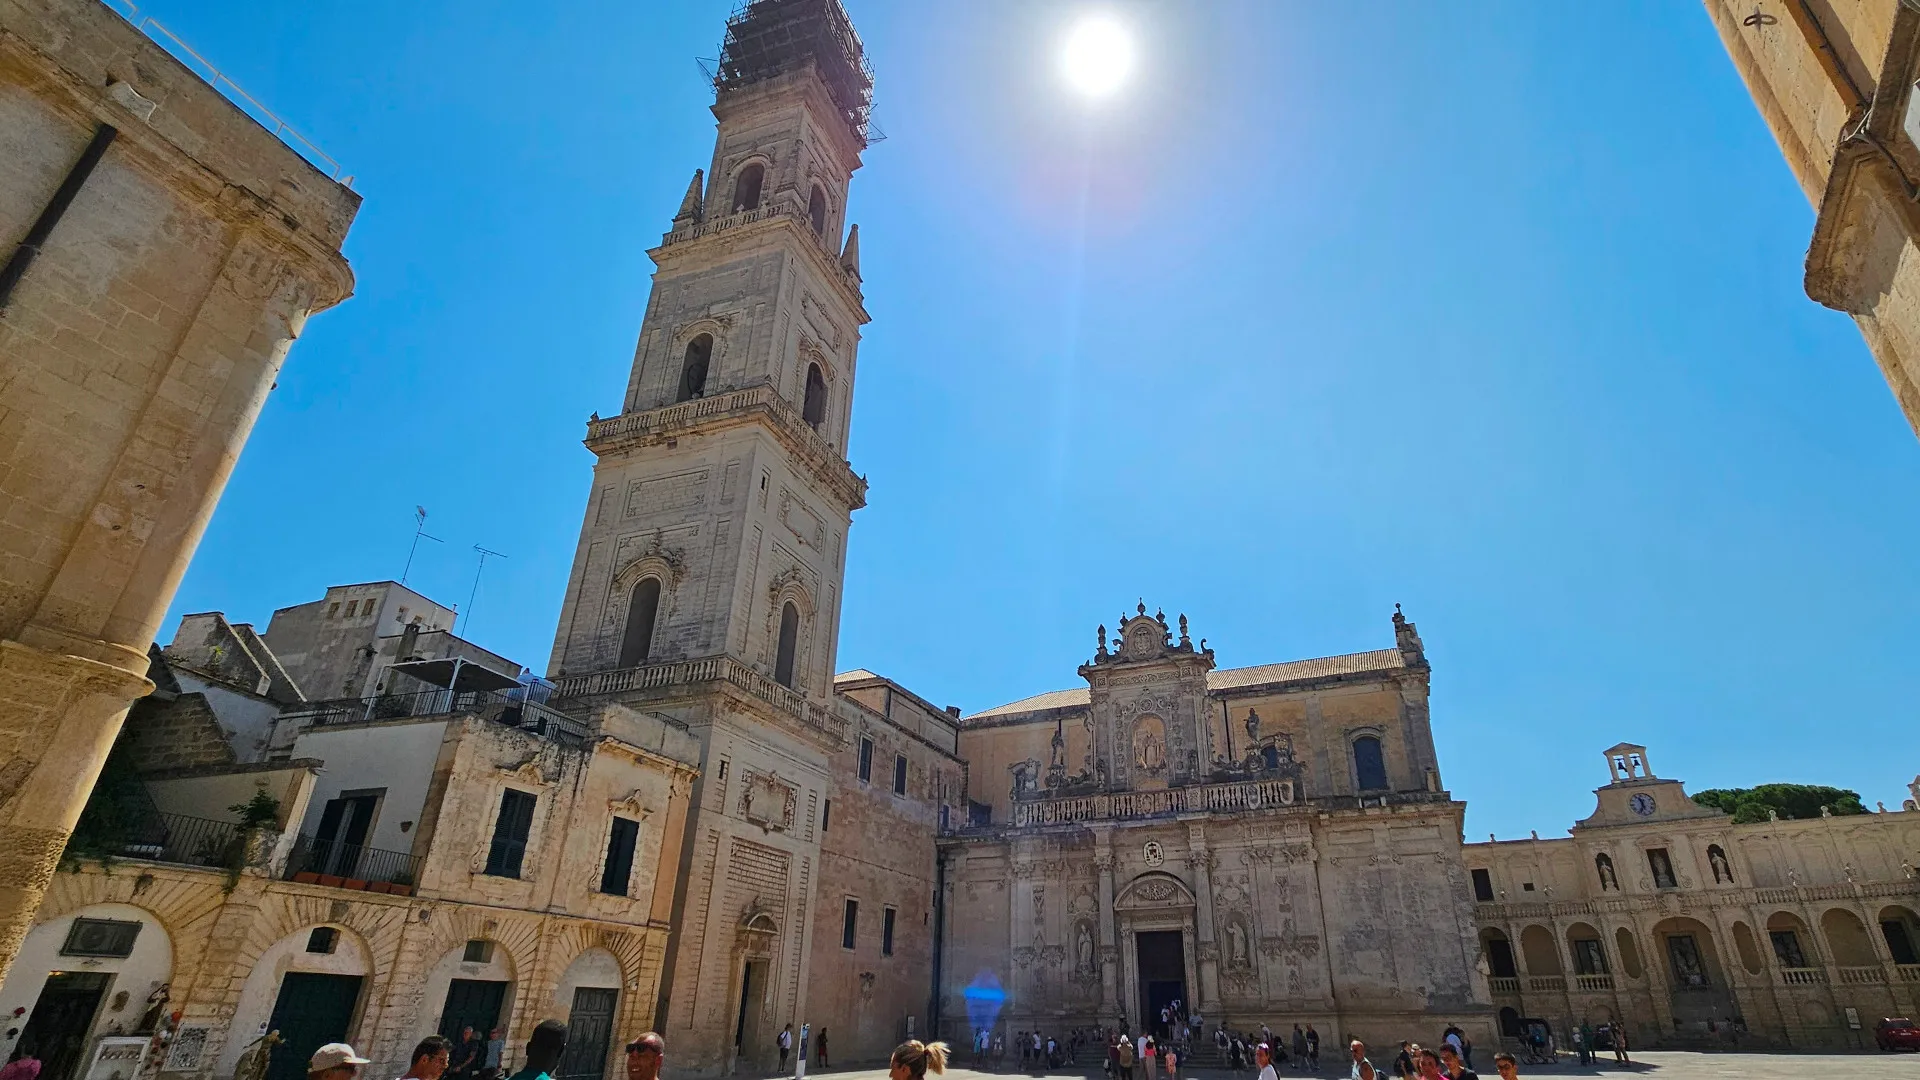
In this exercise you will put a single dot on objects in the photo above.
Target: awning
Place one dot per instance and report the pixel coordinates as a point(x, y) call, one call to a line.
point(456, 673)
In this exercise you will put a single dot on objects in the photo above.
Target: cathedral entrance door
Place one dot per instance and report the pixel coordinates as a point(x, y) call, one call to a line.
point(1162, 961)
point(746, 1029)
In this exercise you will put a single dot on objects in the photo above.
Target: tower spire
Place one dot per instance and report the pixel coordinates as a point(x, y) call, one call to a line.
point(850, 253)
point(690, 205)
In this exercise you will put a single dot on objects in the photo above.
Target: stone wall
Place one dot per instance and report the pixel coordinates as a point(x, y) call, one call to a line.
point(136, 352)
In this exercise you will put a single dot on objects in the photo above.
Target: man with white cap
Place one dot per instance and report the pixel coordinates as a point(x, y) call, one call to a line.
point(334, 1061)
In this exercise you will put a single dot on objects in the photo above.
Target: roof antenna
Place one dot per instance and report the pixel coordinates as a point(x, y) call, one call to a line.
point(419, 530)
point(476, 584)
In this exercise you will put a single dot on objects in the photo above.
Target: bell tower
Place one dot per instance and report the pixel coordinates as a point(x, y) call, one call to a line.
point(706, 586)
point(722, 496)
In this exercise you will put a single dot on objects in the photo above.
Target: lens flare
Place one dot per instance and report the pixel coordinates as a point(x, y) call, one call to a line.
point(1098, 56)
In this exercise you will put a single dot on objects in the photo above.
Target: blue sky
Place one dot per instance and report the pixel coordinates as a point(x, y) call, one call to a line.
point(1494, 312)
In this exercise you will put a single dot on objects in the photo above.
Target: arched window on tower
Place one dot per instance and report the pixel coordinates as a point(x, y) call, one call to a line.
point(1369, 764)
point(693, 370)
point(814, 411)
point(636, 645)
point(789, 642)
point(746, 188)
point(817, 211)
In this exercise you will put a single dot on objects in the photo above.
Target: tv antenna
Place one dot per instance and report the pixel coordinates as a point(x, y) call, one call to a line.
point(476, 583)
point(419, 530)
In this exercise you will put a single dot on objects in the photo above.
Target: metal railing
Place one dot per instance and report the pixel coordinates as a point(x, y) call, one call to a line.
point(511, 709)
point(190, 841)
point(247, 103)
point(355, 865)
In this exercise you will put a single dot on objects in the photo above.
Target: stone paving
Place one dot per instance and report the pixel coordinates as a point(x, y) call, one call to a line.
point(1652, 1064)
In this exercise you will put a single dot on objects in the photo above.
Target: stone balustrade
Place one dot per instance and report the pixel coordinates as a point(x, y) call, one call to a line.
point(1862, 976)
point(1122, 805)
point(1593, 983)
point(1802, 976)
point(1500, 985)
point(713, 669)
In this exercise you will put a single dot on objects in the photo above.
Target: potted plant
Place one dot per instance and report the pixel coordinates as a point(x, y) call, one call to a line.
point(259, 818)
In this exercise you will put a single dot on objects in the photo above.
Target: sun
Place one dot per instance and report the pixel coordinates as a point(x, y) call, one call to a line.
point(1098, 56)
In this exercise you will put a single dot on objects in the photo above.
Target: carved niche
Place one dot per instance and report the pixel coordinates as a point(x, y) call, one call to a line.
point(767, 800)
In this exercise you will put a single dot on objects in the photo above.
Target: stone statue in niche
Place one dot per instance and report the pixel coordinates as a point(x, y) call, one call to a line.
point(1237, 954)
point(1083, 950)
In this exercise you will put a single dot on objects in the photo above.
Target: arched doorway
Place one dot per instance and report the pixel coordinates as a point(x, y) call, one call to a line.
point(1900, 929)
point(754, 954)
point(105, 968)
point(589, 997)
point(1697, 985)
point(472, 985)
point(1155, 913)
point(309, 986)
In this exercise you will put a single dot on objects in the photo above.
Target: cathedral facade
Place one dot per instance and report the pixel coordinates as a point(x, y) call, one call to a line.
point(1262, 844)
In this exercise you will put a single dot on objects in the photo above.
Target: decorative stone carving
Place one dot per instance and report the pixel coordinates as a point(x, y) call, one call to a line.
point(767, 800)
point(1153, 854)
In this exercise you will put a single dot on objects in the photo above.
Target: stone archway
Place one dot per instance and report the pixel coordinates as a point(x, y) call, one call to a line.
point(1155, 913)
point(751, 1004)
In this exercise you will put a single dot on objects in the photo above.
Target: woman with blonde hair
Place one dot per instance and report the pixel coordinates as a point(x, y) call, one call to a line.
point(913, 1059)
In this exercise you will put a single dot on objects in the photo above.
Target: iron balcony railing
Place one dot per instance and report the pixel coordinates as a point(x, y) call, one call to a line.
point(511, 709)
point(354, 866)
point(192, 841)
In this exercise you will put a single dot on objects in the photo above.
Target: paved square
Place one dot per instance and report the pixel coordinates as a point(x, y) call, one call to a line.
point(1652, 1065)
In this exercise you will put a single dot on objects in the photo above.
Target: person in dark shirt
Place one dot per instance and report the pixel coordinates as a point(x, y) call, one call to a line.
point(548, 1042)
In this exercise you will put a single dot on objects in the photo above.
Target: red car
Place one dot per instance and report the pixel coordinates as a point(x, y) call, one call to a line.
point(1897, 1034)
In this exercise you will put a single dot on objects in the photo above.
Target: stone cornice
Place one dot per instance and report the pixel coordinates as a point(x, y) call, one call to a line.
point(760, 404)
point(764, 221)
point(744, 686)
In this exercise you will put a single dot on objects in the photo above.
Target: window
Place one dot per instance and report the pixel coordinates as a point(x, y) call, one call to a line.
point(848, 922)
point(1899, 942)
point(866, 760)
point(826, 814)
point(1526, 886)
point(814, 410)
point(817, 211)
point(789, 640)
point(886, 931)
point(723, 768)
point(1662, 868)
point(619, 868)
point(1482, 886)
point(323, 940)
point(479, 951)
point(899, 774)
point(100, 937)
point(1588, 957)
point(1786, 948)
point(693, 368)
point(1369, 765)
point(637, 644)
point(510, 831)
point(1500, 958)
point(333, 610)
point(352, 606)
point(746, 189)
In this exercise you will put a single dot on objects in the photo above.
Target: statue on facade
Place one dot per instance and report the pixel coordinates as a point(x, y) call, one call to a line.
point(1083, 945)
point(1153, 756)
point(253, 1063)
point(1237, 946)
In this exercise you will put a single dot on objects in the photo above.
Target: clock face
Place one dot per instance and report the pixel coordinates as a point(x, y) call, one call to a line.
point(1642, 804)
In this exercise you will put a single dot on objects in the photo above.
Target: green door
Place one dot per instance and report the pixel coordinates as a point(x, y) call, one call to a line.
point(589, 1034)
point(312, 1011)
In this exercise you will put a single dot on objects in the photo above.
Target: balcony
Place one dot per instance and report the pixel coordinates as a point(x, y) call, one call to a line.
point(511, 709)
point(1907, 973)
point(811, 718)
point(1546, 984)
point(353, 866)
point(1862, 976)
point(1123, 805)
point(1805, 976)
point(1593, 983)
point(1508, 986)
point(192, 841)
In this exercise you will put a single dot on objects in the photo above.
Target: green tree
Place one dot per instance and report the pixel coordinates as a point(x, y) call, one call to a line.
point(1791, 801)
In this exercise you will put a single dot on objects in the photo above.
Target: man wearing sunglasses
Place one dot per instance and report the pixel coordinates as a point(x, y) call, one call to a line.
point(645, 1055)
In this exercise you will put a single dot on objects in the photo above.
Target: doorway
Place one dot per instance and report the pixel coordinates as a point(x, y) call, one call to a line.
point(341, 837)
point(62, 1017)
point(311, 1011)
point(471, 1003)
point(746, 1030)
point(589, 1030)
point(1162, 959)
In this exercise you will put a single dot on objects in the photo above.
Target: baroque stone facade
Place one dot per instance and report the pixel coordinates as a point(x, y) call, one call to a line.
point(1663, 915)
point(1265, 844)
point(162, 251)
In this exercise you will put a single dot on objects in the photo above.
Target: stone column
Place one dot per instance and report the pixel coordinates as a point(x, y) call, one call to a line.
point(1201, 859)
point(1109, 950)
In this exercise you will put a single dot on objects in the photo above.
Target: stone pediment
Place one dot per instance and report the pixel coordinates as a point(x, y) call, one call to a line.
point(1154, 892)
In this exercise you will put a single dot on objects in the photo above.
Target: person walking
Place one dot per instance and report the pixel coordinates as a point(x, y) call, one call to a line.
point(1172, 1061)
point(1427, 1064)
point(1620, 1045)
point(1403, 1066)
point(496, 1055)
point(334, 1061)
point(1456, 1069)
point(1124, 1048)
point(1313, 1049)
point(1362, 1068)
point(430, 1058)
point(1504, 1064)
point(1263, 1057)
point(1150, 1060)
point(1299, 1048)
point(820, 1050)
point(544, 1047)
point(646, 1056)
point(785, 1042)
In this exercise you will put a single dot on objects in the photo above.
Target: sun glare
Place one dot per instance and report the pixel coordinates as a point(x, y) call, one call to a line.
point(1098, 57)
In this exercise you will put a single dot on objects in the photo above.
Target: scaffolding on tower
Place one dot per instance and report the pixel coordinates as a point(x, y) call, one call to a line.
point(768, 38)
